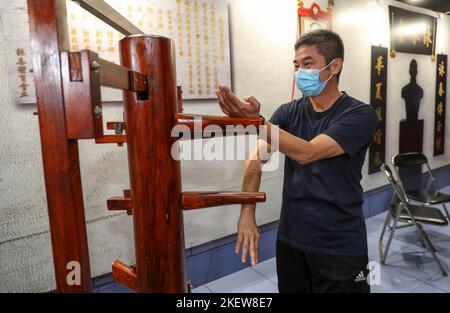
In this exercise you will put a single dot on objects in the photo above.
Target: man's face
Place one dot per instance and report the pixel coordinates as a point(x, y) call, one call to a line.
point(307, 57)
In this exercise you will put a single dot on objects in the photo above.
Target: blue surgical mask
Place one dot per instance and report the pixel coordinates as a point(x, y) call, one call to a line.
point(309, 83)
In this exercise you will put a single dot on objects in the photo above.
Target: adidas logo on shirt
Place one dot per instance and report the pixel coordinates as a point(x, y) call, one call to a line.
point(361, 277)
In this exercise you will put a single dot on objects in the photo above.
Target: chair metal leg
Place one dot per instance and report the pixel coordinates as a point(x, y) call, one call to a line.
point(431, 248)
point(380, 242)
point(446, 211)
point(391, 235)
point(424, 238)
point(422, 242)
point(388, 244)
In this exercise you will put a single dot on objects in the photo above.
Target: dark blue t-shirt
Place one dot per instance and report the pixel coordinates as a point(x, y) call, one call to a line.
point(322, 202)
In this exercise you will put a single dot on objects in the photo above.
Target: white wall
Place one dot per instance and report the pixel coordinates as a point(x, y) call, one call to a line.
point(262, 36)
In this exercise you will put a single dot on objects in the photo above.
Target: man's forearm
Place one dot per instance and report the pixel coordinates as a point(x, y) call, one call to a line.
point(252, 179)
point(252, 175)
point(288, 144)
point(300, 150)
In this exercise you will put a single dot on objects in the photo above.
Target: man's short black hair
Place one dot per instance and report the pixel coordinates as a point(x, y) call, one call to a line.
point(328, 44)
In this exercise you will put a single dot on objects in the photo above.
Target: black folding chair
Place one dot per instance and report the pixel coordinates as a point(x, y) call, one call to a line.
point(429, 195)
point(403, 211)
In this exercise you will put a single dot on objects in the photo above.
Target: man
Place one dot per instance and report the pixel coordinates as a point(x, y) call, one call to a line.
point(322, 242)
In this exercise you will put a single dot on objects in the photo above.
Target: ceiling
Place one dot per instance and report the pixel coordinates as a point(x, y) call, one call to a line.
point(435, 5)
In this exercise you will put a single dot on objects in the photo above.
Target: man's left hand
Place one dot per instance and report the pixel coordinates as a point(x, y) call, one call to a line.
point(234, 107)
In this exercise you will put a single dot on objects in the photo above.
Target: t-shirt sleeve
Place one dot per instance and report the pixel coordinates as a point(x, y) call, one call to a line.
point(354, 129)
point(279, 117)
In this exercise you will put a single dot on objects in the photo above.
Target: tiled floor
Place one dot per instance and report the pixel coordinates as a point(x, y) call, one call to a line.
point(409, 267)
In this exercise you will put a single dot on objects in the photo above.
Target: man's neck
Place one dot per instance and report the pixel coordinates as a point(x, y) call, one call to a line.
point(326, 99)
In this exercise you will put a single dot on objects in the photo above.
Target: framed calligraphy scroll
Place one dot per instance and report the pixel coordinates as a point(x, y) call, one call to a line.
point(412, 32)
point(378, 93)
point(441, 90)
point(199, 29)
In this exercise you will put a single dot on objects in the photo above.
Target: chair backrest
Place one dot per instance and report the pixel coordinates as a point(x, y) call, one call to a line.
point(409, 160)
point(398, 188)
point(414, 159)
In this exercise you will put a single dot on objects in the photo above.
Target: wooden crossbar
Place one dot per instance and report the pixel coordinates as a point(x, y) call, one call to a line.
point(107, 14)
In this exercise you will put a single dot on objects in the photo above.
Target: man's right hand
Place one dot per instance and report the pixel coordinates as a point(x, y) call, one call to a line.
point(234, 107)
point(248, 236)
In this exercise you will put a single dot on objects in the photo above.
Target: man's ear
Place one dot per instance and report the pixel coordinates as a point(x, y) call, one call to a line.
point(337, 66)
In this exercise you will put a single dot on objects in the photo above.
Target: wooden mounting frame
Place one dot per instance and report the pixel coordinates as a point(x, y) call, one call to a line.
point(70, 109)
